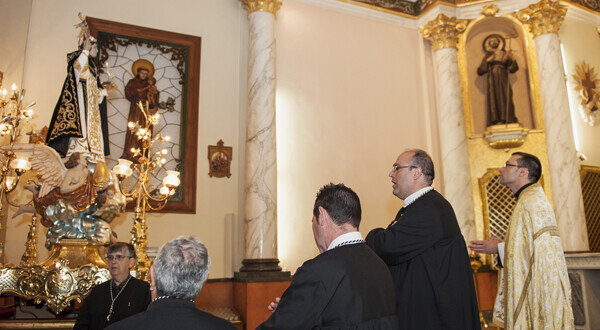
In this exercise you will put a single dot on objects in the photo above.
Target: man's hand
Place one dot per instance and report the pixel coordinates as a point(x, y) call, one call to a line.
point(489, 246)
point(273, 305)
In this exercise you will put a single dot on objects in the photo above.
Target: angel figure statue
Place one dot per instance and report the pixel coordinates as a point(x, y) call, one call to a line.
point(73, 202)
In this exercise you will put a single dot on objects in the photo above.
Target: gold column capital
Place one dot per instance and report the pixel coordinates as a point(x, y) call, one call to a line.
point(443, 31)
point(543, 17)
point(271, 6)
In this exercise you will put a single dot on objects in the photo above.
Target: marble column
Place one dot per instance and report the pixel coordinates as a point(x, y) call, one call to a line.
point(443, 33)
point(544, 19)
point(261, 161)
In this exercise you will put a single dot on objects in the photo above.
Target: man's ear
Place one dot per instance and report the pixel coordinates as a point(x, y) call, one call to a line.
point(131, 263)
point(523, 171)
point(323, 215)
point(417, 172)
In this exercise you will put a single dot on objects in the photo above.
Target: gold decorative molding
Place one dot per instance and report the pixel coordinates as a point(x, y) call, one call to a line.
point(271, 6)
point(489, 10)
point(29, 257)
point(443, 31)
point(505, 135)
point(57, 285)
point(543, 17)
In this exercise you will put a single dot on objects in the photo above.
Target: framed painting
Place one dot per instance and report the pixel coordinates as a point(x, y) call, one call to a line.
point(162, 70)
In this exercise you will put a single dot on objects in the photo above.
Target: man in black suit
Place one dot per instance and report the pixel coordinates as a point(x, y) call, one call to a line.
point(120, 297)
point(178, 273)
point(426, 252)
point(347, 285)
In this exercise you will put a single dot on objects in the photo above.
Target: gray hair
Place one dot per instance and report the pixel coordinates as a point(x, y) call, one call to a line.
point(181, 268)
point(422, 160)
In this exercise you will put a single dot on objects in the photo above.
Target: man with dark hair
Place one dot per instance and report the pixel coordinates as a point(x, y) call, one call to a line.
point(531, 163)
point(345, 287)
point(179, 271)
point(534, 290)
point(426, 253)
point(118, 298)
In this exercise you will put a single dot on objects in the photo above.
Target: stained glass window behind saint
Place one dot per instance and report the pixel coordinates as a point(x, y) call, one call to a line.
point(117, 56)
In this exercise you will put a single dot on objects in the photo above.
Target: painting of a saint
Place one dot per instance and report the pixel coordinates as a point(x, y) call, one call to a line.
point(141, 88)
point(160, 70)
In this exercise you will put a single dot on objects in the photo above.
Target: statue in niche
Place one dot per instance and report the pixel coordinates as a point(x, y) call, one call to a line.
point(498, 64)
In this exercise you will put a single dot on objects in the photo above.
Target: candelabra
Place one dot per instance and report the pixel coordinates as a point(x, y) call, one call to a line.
point(12, 165)
point(147, 161)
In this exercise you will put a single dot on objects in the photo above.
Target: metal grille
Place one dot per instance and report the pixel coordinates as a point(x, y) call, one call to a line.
point(590, 187)
point(498, 203)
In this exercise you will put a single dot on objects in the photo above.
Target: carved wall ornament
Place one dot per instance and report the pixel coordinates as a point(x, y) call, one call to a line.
point(489, 10)
point(543, 17)
point(443, 31)
point(271, 6)
point(219, 160)
point(408, 7)
point(586, 84)
point(591, 4)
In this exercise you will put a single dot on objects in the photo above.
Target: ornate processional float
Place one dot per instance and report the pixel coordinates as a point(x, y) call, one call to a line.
point(73, 193)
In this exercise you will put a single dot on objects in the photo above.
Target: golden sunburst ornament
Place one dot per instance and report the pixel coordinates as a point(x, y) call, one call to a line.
point(586, 84)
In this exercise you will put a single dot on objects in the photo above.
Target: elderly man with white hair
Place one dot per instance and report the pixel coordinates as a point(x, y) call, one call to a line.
point(178, 273)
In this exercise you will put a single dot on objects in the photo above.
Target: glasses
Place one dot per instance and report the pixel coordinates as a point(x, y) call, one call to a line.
point(397, 168)
point(507, 164)
point(117, 257)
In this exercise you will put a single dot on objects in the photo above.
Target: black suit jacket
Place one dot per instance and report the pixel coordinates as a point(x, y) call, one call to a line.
point(428, 259)
point(348, 287)
point(172, 313)
point(134, 299)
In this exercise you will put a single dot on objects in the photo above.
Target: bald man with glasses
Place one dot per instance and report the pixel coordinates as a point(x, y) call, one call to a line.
point(425, 252)
point(118, 298)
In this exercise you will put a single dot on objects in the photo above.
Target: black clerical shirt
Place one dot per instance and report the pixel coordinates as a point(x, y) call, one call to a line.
point(134, 299)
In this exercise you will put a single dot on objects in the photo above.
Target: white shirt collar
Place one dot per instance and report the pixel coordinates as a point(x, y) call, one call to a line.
point(414, 196)
point(347, 237)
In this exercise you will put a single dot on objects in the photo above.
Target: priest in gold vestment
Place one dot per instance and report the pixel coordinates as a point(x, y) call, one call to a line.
point(534, 290)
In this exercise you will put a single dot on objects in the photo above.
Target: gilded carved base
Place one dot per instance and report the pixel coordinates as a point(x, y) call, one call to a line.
point(505, 135)
point(70, 272)
point(77, 251)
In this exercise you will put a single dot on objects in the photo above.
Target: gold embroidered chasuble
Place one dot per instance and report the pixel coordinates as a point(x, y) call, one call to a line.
point(534, 290)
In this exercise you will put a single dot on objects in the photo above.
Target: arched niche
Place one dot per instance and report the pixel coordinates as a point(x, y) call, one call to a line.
point(524, 81)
